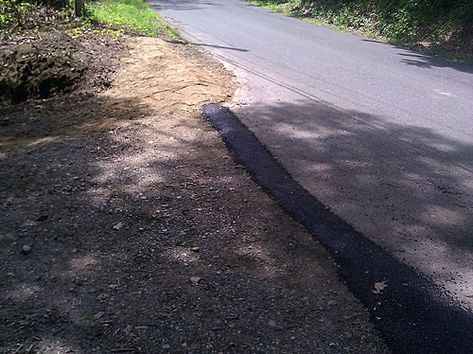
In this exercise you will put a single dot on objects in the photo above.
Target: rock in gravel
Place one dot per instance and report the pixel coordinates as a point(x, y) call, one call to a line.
point(118, 225)
point(274, 325)
point(195, 249)
point(26, 249)
point(195, 280)
point(166, 346)
point(99, 315)
point(332, 303)
point(42, 217)
point(217, 325)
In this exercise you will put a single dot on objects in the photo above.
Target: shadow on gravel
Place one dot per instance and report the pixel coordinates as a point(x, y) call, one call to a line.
point(40, 121)
point(400, 182)
point(414, 314)
point(103, 226)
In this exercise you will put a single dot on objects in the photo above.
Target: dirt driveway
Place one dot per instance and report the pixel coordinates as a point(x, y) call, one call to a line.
point(126, 227)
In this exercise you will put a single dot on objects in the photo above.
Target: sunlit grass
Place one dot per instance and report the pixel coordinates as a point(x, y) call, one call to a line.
point(131, 14)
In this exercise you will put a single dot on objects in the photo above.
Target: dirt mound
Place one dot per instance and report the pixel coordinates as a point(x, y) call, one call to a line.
point(52, 63)
point(177, 83)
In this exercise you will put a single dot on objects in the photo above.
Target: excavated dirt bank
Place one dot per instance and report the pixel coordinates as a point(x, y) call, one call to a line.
point(54, 63)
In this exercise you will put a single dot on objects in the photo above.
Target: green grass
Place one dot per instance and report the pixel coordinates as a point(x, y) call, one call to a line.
point(130, 14)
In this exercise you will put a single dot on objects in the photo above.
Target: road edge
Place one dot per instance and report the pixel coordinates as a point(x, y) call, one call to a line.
point(412, 314)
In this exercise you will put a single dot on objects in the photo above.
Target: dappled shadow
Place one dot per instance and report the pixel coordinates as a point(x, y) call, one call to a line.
point(113, 214)
point(429, 62)
point(181, 5)
point(406, 187)
point(33, 121)
point(207, 45)
point(425, 61)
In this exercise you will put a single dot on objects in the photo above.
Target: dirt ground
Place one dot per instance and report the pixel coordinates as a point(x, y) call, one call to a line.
point(125, 227)
point(52, 63)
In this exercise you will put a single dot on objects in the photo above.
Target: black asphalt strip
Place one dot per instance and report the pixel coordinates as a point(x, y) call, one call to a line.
point(412, 314)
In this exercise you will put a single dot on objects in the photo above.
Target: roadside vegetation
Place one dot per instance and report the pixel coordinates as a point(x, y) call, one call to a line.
point(439, 27)
point(129, 14)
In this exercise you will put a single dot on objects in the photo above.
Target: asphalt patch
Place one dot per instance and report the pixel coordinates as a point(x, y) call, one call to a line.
point(412, 314)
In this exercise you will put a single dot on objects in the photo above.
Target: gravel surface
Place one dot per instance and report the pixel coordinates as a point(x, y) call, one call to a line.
point(127, 228)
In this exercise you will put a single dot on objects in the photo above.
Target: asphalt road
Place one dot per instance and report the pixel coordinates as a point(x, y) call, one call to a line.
point(381, 135)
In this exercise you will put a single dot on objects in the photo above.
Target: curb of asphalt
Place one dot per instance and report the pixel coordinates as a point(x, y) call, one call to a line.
point(412, 314)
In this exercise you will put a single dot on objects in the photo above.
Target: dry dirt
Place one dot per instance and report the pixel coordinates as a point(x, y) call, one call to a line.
point(125, 227)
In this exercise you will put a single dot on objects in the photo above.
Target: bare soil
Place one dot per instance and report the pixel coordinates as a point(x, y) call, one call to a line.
point(55, 62)
point(126, 227)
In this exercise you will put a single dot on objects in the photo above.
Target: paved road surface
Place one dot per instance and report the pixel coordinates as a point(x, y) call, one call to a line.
point(382, 135)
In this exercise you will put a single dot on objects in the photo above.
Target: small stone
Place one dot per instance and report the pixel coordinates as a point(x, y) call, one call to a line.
point(99, 315)
point(26, 249)
point(195, 280)
point(272, 324)
point(195, 249)
point(118, 225)
point(332, 303)
point(332, 345)
point(42, 217)
point(166, 346)
point(217, 325)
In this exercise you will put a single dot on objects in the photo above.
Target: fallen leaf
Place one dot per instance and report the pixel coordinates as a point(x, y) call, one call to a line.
point(379, 287)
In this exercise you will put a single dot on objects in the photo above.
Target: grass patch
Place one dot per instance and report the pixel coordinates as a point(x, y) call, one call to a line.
point(135, 15)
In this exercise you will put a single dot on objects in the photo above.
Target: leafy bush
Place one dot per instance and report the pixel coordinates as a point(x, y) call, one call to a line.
point(19, 14)
point(12, 13)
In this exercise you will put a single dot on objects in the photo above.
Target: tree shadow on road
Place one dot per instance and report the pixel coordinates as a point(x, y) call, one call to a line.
point(181, 5)
point(406, 187)
point(417, 58)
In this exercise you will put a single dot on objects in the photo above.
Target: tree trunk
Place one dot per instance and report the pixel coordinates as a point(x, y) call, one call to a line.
point(79, 7)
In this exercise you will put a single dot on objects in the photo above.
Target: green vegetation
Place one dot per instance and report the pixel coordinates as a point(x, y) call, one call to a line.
point(12, 13)
point(129, 14)
point(120, 15)
point(25, 14)
point(438, 26)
